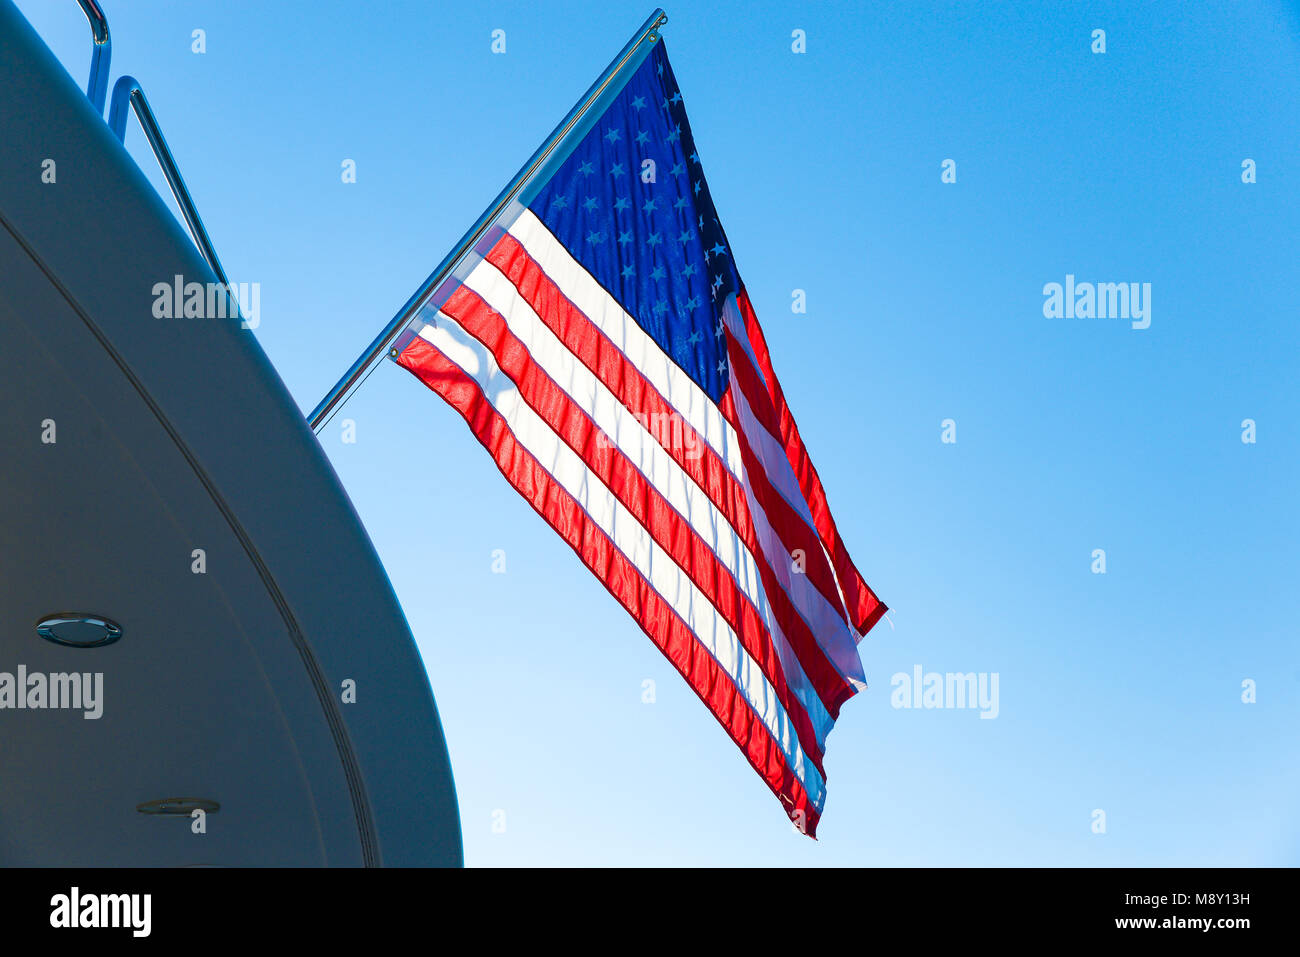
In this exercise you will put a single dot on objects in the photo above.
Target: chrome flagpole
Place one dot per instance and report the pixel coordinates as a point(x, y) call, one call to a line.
point(353, 378)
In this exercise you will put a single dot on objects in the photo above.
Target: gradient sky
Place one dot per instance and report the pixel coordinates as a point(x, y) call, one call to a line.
point(1119, 692)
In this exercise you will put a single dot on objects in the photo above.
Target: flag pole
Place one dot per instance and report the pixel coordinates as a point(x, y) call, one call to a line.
point(344, 388)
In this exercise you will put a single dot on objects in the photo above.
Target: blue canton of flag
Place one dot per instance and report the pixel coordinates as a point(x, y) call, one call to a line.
point(632, 205)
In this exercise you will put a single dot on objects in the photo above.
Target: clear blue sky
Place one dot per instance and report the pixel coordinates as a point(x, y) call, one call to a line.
point(1119, 691)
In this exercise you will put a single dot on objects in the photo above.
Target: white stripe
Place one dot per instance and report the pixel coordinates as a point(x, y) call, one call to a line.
point(629, 435)
point(829, 624)
point(769, 450)
point(682, 393)
point(630, 537)
point(833, 632)
point(607, 315)
point(771, 454)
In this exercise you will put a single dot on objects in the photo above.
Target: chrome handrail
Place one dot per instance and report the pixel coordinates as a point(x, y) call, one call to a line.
point(127, 91)
point(97, 87)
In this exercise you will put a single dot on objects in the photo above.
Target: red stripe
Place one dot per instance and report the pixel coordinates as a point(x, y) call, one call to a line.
point(621, 376)
point(866, 609)
point(655, 617)
point(766, 495)
point(664, 523)
point(608, 363)
point(745, 378)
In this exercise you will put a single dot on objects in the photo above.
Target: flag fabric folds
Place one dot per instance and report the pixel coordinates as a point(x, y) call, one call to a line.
point(605, 353)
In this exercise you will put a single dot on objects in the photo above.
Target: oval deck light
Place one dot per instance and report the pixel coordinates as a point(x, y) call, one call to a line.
point(178, 807)
point(78, 629)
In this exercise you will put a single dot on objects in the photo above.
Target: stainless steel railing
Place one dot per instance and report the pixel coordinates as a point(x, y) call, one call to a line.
point(127, 93)
point(101, 53)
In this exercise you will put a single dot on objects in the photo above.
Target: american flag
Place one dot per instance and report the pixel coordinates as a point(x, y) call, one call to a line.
point(605, 353)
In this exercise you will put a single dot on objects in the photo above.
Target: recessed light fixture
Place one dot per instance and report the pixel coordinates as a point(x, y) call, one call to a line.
point(78, 629)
